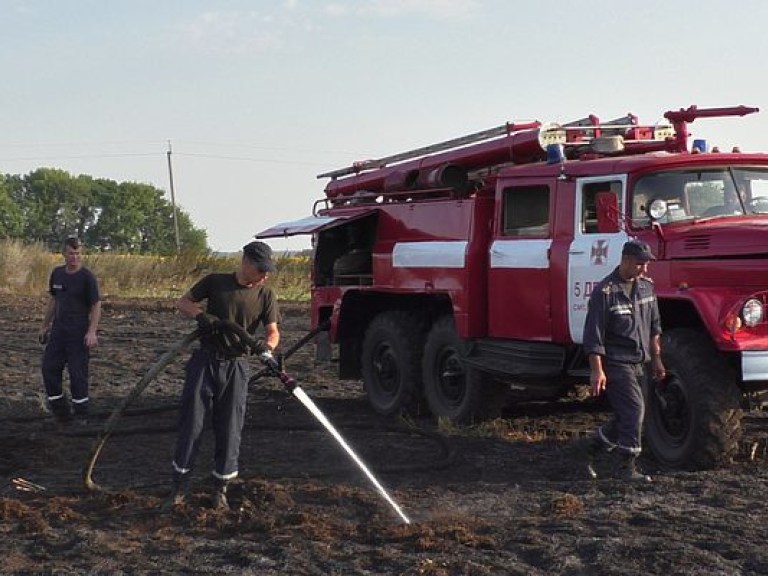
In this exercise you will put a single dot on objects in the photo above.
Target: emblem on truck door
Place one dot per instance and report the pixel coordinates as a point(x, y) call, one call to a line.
point(599, 253)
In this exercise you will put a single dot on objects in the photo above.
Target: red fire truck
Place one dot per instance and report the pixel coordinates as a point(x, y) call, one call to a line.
point(456, 276)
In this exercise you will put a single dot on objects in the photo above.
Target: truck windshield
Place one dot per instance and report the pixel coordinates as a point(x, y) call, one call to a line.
point(697, 194)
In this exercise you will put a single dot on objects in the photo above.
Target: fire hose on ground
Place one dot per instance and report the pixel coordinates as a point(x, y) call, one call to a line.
point(271, 367)
point(111, 423)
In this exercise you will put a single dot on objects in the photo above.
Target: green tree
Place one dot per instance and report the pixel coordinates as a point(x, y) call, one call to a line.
point(158, 233)
point(124, 210)
point(55, 205)
point(194, 240)
point(49, 204)
point(136, 218)
point(11, 219)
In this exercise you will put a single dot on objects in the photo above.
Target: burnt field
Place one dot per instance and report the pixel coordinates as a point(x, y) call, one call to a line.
point(504, 498)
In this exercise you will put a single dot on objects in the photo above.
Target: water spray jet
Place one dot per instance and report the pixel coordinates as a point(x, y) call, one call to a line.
point(290, 384)
point(271, 366)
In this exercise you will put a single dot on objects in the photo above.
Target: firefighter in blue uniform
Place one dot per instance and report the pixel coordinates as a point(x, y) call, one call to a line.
point(217, 373)
point(622, 336)
point(69, 332)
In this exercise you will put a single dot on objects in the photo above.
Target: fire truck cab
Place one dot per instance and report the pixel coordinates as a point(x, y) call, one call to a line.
point(456, 277)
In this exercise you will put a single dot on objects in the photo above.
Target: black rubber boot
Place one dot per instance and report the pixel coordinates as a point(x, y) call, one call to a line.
point(80, 412)
point(588, 449)
point(178, 494)
point(60, 409)
point(627, 469)
point(219, 496)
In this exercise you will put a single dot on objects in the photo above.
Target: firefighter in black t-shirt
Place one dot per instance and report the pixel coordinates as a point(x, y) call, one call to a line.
point(69, 332)
point(217, 376)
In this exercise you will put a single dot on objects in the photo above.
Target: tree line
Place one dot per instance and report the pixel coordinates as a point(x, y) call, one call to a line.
point(49, 204)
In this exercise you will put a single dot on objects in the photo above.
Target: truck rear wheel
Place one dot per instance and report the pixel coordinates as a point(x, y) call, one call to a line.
point(693, 419)
point(452, 389)
point(391, 360)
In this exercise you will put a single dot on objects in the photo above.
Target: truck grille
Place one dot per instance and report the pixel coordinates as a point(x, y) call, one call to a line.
point(697, 242)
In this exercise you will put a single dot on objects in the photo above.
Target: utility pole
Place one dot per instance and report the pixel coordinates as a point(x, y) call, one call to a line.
point(173, 201)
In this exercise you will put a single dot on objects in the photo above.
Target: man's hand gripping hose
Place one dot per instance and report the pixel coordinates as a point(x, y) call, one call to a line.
point(266, 358)
point(271, 366)
point(264, 355)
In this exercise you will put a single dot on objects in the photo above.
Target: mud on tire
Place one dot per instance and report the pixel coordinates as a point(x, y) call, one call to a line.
point(693, 419)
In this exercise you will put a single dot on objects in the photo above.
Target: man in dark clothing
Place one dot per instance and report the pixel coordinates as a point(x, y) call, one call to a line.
point(69, 332)
point(622, 335)
point(217, 374)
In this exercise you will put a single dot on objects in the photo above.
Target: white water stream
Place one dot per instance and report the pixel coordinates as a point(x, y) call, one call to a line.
point(312, 407)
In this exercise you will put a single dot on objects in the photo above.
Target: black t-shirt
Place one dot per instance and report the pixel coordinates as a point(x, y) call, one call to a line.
point(75, 293)
point(227, 299)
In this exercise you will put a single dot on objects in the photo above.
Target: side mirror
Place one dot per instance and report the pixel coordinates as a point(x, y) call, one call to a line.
point(607, 205)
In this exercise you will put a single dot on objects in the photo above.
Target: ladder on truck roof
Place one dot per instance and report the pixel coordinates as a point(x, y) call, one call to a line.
point(503, 130)
point(518, 143)
point(577, 132)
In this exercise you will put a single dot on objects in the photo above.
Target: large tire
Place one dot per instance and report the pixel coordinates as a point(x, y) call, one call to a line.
point(693, 419)
point(391, 361)
point(452, 389)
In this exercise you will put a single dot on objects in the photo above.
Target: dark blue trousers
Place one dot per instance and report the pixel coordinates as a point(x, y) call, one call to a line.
point(219, 387)
point(625, 393)
point(66, 348)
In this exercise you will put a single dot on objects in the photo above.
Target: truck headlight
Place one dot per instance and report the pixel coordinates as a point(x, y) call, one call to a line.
point(752, 312)
point(657, 209)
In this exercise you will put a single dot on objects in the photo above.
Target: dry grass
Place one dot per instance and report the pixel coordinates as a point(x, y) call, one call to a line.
point(24, 269)
point(500, 428)
point(566, 505)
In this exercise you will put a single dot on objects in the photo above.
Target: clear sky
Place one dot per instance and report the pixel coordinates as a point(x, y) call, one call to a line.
point(257, 97)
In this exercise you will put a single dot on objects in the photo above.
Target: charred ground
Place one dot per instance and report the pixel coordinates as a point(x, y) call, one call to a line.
point(509, 500)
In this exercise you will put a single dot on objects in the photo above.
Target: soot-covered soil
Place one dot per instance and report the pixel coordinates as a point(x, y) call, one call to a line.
point(509, 500)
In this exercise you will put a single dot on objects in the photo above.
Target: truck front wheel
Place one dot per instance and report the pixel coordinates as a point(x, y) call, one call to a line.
point(391, 361)
point(453, 390)
point(693, 419)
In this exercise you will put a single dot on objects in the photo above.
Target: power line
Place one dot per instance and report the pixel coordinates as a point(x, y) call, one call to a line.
point(246, 159)
point(57, 157)
point(54, 156)
point(77, 156)
point(52, 143)
point(270, 148)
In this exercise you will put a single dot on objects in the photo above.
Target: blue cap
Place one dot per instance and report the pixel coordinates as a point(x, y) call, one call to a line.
point(638, 249)
point(260, 254)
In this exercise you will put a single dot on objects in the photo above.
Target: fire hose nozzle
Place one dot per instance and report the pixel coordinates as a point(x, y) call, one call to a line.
point(268, 359)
